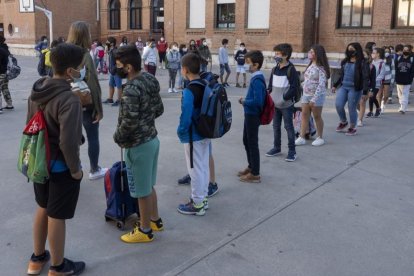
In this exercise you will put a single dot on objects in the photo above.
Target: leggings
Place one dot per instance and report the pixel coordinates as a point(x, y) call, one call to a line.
point(173, 76)
point(373, 100)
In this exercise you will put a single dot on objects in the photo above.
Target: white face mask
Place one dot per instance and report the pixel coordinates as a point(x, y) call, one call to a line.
point(185, 49)
point(175, 48)
point(387, 55)
point(242, 48)
point(205, 43)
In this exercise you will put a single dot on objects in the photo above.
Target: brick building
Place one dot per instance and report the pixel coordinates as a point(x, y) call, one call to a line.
point(22, 30)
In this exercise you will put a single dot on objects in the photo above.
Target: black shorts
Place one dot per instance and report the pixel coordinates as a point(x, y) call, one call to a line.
point(59, 196)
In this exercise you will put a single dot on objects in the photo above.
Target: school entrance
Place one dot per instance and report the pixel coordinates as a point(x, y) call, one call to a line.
point(157, 18)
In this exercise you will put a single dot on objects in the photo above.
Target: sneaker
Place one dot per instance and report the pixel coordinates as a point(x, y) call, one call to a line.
point(212, 189)
point(69, 268)
point(318, 142)
point(341, 127)
point(351, 132)
point(37, 263)
point(401, 111)
point(273, 152)
point(170, 90)
point(300, 141)
point(390, 100)
point(9, 107)
point(359, 123)
point(226, 85)
point(108, 101)
point(186, 180)
point(369, 115)
point(191, 208)
point(156, 226)
point(175, 90)
point(205, 202)
point(244, 172)
point(238, 85)
point(291, 157)
point(137, 236)
point(377, 113)
point(250, 178)
point(244, 85)
point(1, 110)
point(116, 103)
point(98, 174)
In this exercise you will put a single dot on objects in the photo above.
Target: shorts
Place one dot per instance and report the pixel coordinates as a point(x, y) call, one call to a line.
point(319, 102)
point(142, 162)
point(224, 67)
point(115, 81)
point(59, 196)
point(388, 82)
point(241, 69)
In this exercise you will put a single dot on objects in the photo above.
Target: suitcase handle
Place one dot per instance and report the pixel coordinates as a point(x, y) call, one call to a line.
point(122, 165)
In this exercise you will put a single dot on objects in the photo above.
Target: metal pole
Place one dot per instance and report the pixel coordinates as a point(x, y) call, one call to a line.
point(49, 16)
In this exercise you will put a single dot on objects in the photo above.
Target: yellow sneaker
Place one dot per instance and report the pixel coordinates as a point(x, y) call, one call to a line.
point(137, 236)
point(156, 226)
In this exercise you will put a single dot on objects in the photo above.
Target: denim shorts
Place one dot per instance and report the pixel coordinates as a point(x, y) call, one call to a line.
point(241, 69)
point(115, 81)
point(319, 102)
point(224, 67)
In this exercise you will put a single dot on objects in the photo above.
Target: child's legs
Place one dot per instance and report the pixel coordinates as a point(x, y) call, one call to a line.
point(56, 237)
point(400, 89)
point(4, 88)
point(170, 78)
point(380, 94)
point(362, 107)
point(385, 95)
point(405, 95)
point(173, 78)
point(221, 72)
point(317, 115)
point(252, 124)
point(200, 172)
point(40, 231)
point(277, 124)
point(211, 165)
point(227, 67)
point(374, 100)
point(246, 143)
point(353, 100)
point(287, 114)
point(244, 78)
point(306, 110)
point(237, 77)
point(341, 99)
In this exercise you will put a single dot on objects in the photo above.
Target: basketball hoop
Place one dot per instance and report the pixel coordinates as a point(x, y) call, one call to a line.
point(26, 6)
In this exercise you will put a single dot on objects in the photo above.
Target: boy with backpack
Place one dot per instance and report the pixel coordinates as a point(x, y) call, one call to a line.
point(224, 62)
point(404, 74)
point(253, 106)
point(4, 82)
point(196, 146)
point(58, 197)
point(241, 59)
point(283, 86)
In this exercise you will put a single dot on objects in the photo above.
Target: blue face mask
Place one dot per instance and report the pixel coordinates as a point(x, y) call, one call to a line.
point(82, 73)
point(278, 59)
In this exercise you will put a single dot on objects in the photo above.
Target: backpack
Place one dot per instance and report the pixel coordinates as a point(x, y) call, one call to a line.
point(299, 91)
point(13, 70)
point(41, 66)
point(101, 53)
point(216, 116)
point(268, 111)
point(34, 153)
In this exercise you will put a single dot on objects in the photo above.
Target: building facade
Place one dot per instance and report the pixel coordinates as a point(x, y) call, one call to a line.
point(23, 30)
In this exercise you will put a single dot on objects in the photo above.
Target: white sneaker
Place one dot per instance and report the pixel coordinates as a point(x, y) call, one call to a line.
point(300, 141)
point(175, 90)
point(360, 124)
point(318, 142)
point(1, 110)
point(98, 174)
point(170, 90)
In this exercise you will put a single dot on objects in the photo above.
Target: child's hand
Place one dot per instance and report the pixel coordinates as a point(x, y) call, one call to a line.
point(241, 101)
point(333, 89)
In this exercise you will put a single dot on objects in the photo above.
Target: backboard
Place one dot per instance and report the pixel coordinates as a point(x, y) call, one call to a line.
point(26, 6)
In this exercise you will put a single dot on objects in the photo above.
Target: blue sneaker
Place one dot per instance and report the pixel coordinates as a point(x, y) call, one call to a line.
point(273, 152)
point(191, 208)
point(116, 103)
point(212, 189)
point(291, 157)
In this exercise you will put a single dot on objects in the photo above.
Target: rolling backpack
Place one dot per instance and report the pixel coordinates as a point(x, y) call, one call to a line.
point(216, 116)
point(13, 70)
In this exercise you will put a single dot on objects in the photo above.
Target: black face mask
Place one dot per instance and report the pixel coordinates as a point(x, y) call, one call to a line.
point(406, 53)
point(352, 53)
point(121, 73)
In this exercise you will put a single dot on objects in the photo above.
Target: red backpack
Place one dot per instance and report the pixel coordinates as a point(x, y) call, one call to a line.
point(101, 53)
point(268, 110)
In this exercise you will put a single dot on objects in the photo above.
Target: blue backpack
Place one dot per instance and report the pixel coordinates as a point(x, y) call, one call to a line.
point(216, 116)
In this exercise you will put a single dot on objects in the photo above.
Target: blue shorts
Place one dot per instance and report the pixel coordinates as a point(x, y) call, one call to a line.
point(115, 81)
point(319, 102)
point(224, 67)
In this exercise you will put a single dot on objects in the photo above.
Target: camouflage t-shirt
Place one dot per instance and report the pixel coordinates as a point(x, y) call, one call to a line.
point(140, 104)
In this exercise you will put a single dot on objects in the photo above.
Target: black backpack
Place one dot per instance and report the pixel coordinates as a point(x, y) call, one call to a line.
point(299, 91)
point(13, 70)
point(41, 66)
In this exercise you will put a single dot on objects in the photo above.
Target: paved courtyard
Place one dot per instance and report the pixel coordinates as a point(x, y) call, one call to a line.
point(342, 209)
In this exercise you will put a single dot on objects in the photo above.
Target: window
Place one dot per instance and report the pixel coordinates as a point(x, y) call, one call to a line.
point(226, 14)
point(258, 14)
point(135, 14)
point(404, 13)
point(355, 14)
point(157, 16)
point(197, 15)
point(114, 15)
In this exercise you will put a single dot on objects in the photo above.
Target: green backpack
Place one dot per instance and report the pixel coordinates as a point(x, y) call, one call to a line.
point(34, 154)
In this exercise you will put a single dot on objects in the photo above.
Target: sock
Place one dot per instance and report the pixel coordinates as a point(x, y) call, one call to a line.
point(146, 230)
point(59, 267)
point(39, 258)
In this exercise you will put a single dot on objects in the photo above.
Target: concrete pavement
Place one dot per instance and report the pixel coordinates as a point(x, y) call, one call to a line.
point(341, 209)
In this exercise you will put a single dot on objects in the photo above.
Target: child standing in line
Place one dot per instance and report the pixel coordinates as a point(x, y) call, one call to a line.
point(253, 106)
point(404, 77)
point(240, 59)
point(224, 62)
point(183, 51)
point(378, 61)
point(173, 58)
point(371, 87)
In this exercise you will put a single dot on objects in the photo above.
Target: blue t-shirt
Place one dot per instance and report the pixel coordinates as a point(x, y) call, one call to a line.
point(349, 75)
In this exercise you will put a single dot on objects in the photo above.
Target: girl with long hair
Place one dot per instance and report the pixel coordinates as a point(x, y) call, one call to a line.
point(314, 93)
point(353, 81)
point(389, 79)
point(371, 87)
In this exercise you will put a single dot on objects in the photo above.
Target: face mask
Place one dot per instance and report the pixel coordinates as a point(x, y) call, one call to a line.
point(352, 53)
point(82, 73)
point(250, 70)
point(45, 41)
point(387, 55)
point(121, 73)
point(205, 43)
point(162, 39)
point(152, 45)
point(185, 49)
point(192, 43)
point(278, 59)
point(242, 48)
point(405, 53)
point(175, 48)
